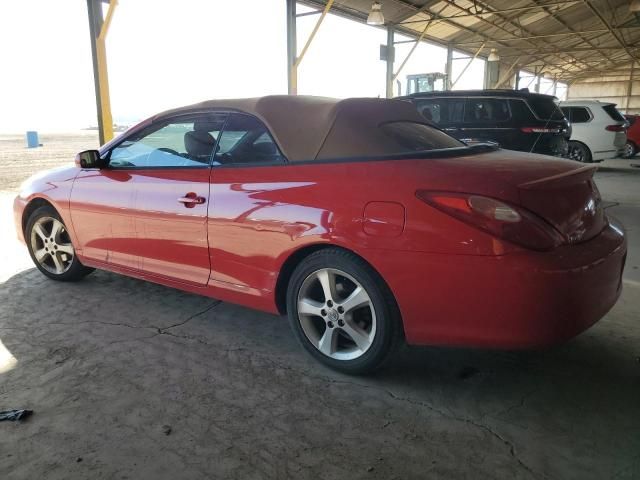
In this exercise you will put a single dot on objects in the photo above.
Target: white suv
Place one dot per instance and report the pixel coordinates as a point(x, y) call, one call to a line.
point(598, 130)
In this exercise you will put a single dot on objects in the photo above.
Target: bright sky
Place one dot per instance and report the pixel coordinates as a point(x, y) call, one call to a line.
point(169, 53)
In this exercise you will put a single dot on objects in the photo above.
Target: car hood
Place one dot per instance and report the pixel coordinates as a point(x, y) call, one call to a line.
point(47, 179)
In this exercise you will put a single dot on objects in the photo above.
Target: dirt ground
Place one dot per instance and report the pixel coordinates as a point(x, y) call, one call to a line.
point(131, 380)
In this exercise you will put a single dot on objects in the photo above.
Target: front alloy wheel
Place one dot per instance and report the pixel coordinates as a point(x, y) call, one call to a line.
point(50, 246)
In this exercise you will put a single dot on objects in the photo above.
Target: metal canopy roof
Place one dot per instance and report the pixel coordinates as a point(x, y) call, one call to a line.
point(566, 39)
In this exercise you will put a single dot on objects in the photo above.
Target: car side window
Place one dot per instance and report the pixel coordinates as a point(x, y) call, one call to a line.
point(245, 140)
point(432, 110)
point(577, 114)
point(456, 110)
point(442, 110)
point(182, 142)
point(520, 110)
point(486, 110)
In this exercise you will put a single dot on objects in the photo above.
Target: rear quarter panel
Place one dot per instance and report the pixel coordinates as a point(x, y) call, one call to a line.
point(260, 216)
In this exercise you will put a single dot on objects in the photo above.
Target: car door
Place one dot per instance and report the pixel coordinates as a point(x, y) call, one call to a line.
point(245, 179)
point(169, 164)
point(487, 119)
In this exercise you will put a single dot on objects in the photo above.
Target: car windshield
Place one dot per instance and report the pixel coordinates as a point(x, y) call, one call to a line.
point(546, 108)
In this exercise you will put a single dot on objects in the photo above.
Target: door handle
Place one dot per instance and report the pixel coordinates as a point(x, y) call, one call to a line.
point(191, 199)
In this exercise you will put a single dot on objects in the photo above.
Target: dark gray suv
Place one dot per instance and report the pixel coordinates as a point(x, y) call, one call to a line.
point(514, 119)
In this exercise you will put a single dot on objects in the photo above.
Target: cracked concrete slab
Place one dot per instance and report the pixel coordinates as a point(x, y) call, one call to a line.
point(108, 363)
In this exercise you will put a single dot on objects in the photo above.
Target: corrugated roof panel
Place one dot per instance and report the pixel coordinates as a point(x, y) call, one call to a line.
point(501, 28)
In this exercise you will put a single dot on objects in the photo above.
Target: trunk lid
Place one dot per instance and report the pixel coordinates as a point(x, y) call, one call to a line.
point(562, 192)
point(570, 201)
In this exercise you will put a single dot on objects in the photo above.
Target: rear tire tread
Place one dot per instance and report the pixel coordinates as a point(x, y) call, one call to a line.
point(387, 312)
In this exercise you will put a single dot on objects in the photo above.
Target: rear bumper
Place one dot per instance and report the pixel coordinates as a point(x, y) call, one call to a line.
point(555, 145)
point(519, 300)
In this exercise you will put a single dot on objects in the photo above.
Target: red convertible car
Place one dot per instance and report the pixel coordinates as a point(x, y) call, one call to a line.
point(363, 224)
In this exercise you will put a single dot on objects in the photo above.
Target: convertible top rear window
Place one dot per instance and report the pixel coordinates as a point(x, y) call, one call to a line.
point(406, 137)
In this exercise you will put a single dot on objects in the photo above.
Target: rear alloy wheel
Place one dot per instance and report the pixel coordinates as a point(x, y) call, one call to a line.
point(630, 150)
point(579, 152)
point(50, 246)
point(342, 312)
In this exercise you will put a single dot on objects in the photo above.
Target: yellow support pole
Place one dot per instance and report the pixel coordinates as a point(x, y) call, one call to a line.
point(101, 53)
point(98, 29)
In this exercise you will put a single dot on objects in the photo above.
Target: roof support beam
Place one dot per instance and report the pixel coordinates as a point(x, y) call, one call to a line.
point(505, 76)
point(466, 66)
point(415, 45)
point(292, 48)
point(614, 34)
point(494, 12)
point(389, 63)
point(98, 29)
point(291, 30)
point(532, 37)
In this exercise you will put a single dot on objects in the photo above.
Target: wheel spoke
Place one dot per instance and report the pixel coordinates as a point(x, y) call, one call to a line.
point(328, 282)
point(360, 337)
point(306, 306)
point(58, 263)
point(40, 231)
point(357, 299)
point(40, 254)
point(56, 228)
point(327, 343)
point(66, 248)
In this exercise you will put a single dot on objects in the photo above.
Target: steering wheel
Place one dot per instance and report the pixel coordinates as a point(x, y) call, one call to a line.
point(169, 150)
point(225, 158)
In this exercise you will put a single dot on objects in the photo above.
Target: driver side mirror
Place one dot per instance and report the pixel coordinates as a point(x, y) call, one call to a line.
point(89, 159)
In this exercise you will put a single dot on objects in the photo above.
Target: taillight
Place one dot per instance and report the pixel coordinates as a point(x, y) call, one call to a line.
point(615, 128)
point(540, 130)
point(495, 217)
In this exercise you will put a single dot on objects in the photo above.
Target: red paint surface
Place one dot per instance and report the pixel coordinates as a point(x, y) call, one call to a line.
point(453, 283)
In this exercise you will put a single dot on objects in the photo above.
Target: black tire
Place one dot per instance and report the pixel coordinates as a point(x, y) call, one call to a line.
point(579, 152)
point(73, 269)
point(381, 310)
point(630, 150)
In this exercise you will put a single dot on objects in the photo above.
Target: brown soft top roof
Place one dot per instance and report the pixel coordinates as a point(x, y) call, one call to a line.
point(308, 127)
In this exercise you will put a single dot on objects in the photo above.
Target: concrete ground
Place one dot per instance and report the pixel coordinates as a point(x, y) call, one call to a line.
point(111, 364)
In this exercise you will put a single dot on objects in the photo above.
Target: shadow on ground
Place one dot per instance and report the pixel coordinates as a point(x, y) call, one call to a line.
point(107, 362)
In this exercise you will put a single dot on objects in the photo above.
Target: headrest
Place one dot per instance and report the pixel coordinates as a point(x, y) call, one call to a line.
point(199, 144)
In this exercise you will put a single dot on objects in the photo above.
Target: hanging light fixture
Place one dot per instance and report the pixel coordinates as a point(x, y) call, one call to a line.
point(375, 15)
point(494, 57)
point(635, 6)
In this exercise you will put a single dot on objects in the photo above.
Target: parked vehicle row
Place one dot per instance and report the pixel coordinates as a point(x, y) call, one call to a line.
point(598, 130)
point(357, 219)
point(585, 130)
